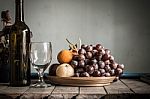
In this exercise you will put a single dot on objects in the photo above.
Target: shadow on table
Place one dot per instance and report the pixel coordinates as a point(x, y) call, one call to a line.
point(126, 96)
point(3, 96)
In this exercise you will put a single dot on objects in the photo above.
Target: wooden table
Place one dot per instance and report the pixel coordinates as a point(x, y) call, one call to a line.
point(124, 88)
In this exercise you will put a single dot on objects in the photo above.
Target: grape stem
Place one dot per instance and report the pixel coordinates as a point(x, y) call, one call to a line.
point(72, 46)
point(79, 43)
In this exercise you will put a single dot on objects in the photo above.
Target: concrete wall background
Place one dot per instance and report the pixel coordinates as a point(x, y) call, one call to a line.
point(123, 26)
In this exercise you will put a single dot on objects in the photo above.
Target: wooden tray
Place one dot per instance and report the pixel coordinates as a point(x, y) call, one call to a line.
point(81, 81)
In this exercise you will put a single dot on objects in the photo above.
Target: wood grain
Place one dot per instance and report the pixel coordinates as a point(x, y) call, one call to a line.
point(117, 88)
point(122, 89)
point(3, 87)
point(137, 86)
point(38, 92)
point(91, 92)
point(2, 94)
point(14, 91)
point(64, 92)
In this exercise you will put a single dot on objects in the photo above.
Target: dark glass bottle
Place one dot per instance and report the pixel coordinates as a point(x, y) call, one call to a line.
point(4, 44)
point(19, 40)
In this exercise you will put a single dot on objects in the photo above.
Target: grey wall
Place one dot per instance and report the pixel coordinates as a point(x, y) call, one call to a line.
point(123, 26)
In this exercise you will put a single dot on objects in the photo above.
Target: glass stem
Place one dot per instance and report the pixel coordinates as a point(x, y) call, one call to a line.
point(40, 74)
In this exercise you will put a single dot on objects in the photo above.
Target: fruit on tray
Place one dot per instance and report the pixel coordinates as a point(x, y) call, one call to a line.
point(65, 70)
point(64, 56)
point(52, 69)
point(86, 61)
point(95, 61)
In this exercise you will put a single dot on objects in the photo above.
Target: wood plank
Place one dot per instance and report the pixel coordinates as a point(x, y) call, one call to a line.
point(14, 91)
point(117, 88)
point(137, 86)
point(3, 87)
point(37, 93)
point(145, 78)
point(64, 92)
point(91, 92)
point(3, 95)
point(127, 96)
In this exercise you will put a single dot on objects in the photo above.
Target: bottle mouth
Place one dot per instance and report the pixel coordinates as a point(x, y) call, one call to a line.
point(19, 1)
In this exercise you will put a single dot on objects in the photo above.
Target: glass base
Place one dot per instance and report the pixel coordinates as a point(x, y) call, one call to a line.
point(40, 85)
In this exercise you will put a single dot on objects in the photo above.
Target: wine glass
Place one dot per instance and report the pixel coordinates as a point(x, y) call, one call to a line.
point(40, 57)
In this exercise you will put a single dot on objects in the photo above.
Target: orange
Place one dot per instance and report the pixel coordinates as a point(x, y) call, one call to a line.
point(64, 56)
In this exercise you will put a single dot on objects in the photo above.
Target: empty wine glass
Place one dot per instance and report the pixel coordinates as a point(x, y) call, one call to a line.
point(40, 57)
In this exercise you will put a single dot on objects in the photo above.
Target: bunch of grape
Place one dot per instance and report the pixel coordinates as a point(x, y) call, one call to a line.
point(95, 61)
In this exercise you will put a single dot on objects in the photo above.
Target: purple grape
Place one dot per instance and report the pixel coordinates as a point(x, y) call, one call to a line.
point(112, 72)
point(111, 59)
point(83, 46)
point(89, 69)
point(74, 63)
point(89, 48)
point(105, 57)
point(99, 57)
point(87, 61)
point(81, 57)
point(119, 71)
point(81, 63)
point(107, 51)
point(94, 52)
point(75, 57)
point(114, 65)
point(93, 61)
point(95, 66)
point(96, 73)
point(88, 55)
point(101, 64)
point(98, 47)
point(107, 68)
point(107, 62)
point(102, 71)
point(121, 66)
point(84, 74)
point(101, 52)
point(107, 74)
point(79, 70)
point(81, 51)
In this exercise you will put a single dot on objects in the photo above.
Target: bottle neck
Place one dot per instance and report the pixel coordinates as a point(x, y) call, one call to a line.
point(19, 11)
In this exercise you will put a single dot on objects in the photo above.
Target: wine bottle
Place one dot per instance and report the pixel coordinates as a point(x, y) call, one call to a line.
point(19, 40)
point(4, 44)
